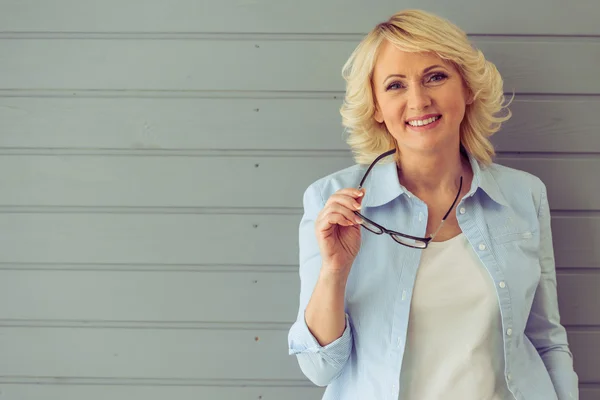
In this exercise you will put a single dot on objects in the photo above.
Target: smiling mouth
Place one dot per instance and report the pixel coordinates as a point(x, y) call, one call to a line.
point(424, 122)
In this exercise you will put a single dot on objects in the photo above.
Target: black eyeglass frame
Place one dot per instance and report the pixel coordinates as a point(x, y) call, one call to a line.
point(422, 242)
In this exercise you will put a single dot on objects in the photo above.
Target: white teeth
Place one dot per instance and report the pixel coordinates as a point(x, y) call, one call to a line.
point(423, 122)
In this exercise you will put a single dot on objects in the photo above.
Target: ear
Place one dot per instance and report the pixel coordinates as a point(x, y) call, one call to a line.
point(470, 97)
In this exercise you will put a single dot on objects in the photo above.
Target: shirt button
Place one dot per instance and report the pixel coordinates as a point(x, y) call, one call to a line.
point(509, 377)
point(420, 216)
point(509, 331)
point(482, 247)
point(462, 210)
point(502, 284)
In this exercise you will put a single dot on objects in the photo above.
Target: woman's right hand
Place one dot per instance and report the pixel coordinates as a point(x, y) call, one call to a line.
point(338, 231)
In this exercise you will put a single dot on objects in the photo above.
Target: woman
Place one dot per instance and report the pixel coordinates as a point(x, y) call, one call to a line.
point(427, 271)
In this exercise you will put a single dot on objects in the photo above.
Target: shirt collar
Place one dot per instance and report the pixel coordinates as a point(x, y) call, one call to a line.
point(483, 179)
point(382, 185)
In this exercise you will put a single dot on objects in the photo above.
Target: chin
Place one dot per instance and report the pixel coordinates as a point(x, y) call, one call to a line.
point(425, 141)
point(425, 146)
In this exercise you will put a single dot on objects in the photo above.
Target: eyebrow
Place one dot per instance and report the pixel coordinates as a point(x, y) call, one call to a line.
point(426, 70)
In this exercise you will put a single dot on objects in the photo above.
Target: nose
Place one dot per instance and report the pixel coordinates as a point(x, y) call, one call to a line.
point(418, 98)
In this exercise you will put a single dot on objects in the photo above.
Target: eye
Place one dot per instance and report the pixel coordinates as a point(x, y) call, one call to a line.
point(438, 77)
point(394, 85)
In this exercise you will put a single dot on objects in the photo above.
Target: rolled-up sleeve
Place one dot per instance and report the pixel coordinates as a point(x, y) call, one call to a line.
point(320, 364)
point(543, 326)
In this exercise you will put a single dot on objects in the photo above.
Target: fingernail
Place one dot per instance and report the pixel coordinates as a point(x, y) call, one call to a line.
point(358, 220)
point(360, 193)
point(357, 206)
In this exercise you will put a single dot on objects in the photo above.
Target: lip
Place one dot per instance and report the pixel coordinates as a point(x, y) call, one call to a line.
point(422, 117)
point(425, 127)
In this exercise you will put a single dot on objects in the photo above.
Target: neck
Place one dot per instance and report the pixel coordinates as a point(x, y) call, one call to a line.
point(431, 174)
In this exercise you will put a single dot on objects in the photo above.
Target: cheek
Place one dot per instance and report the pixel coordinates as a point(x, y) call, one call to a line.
point(458, 114)
point(455, 108)
point(393, 113)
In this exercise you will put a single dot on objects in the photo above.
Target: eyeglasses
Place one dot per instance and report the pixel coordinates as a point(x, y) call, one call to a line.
point(403, 239)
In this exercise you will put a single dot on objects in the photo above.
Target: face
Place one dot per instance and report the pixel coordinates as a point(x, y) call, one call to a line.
point(420, 98)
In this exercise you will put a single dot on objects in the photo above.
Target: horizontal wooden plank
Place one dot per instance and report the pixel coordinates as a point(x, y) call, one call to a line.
point(586, 355)
point(158, 392)
point(576, 241)
point(278, 181)
point(255, 181)
point(201, 296)
point(578, 298)
point(589, 393)
point(552, 124)
point(119, 392)
point(207, 239)
point(150, 296)
point(147, 353)
point(571, 182)
point(173, 123)
point(266, 16)
point(129, 64)
point(150, 238)
point(183, 354)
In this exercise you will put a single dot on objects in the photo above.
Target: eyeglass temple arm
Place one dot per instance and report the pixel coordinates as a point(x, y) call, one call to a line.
point(448, 213)
point(387, 153)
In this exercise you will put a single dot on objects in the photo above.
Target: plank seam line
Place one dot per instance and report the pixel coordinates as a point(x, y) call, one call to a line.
point(125, 381)
point(268, 36)
point(230, 94)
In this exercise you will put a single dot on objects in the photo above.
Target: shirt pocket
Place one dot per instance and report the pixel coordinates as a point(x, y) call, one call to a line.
point(507, 237)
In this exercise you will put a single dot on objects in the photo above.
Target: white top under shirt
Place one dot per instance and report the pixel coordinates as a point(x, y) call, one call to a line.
point(454, 329)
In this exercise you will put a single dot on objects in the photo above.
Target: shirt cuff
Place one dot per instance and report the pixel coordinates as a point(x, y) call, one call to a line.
point(336, 353)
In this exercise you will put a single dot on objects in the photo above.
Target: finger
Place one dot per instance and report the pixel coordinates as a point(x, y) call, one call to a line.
point(339, 219)
point(361, 196)
point(350, 201)
point(348, 213)
point(352, 192)
point(339, 209)
point(331, 220)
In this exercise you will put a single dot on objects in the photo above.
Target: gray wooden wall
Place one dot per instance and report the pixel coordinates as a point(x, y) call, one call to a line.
point(153, 156)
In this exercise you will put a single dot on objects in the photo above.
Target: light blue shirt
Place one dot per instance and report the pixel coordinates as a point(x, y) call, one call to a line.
point(506, 219)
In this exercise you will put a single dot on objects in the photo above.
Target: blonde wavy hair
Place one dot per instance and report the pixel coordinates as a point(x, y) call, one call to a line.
point(420, 31)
